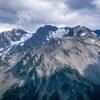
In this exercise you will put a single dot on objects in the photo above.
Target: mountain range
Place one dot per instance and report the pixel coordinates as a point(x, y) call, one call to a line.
point(54, 63)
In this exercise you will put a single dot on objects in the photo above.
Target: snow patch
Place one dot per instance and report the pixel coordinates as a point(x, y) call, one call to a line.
point(23, 39)
point(83, 34)
point(22, 44)
point(47, 38)
point(1, 49)
point(58, 34)
point(67, 31)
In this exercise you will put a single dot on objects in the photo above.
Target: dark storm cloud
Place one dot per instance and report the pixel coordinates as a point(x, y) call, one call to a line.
point(80, 4)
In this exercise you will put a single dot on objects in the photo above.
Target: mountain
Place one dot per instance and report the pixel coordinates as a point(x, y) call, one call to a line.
point(97, 32)
point(19, 37)
point(8, 39)
point(52, 64)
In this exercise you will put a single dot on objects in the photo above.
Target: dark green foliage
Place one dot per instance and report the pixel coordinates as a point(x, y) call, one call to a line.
point(12, 94)
point(55, 96)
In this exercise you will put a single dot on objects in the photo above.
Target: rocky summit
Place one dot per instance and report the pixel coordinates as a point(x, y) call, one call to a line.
point(54, 63)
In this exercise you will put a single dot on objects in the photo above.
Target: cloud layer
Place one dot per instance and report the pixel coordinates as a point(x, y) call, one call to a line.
point(30, 14)
point(80, 4)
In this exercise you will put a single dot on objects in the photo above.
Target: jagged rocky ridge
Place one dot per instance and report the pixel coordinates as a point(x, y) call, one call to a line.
point(51, 58)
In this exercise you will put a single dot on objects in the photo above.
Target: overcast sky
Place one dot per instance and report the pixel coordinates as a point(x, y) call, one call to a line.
point(30, 14)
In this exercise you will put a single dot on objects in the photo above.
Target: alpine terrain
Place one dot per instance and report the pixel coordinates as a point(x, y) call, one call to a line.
point(54, 63)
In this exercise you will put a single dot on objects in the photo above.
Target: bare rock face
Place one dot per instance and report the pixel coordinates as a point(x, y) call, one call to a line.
point(54, 64)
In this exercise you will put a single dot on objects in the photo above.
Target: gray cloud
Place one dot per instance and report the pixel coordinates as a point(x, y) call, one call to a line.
point(7, 17)
point(80, 4)
point(30, 14)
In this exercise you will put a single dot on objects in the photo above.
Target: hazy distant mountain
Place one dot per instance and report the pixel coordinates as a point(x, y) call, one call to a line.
point(51, 64)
